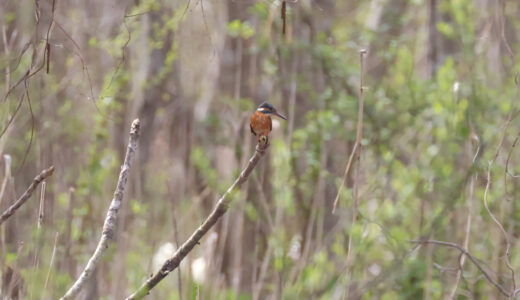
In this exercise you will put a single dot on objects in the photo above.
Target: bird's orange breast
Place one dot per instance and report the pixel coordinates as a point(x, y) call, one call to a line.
point(261, 123)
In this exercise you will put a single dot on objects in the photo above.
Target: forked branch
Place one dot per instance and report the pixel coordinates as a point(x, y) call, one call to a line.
point(219, 210)
point(26, 195)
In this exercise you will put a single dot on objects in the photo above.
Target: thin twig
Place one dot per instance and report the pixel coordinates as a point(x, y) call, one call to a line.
point(506, 236)
point(359, 130)
point(349, 163)
point(12, 209)
point(111, 219)
point(13, 115)
point(129, 38)
point(500, 226)
point(462, 258)
point(219, 210)
point(517, 83)
point(42, 205)
point(83, 63)
point(51, 264)
point(509, 157)
point(471, 258)
point(357, 153)
point(33, 125)
point(25, 80)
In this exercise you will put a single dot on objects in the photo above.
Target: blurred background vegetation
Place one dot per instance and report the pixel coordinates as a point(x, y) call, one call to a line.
point(441, 108)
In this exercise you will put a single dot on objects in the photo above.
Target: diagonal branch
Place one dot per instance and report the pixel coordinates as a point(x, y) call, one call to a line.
point(356, 150)
point(110, 221)
point(219, 210)
point(11, 210)
point(471, 258)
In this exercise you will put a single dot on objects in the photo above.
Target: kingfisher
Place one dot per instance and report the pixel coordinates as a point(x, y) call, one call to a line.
point(261, 123)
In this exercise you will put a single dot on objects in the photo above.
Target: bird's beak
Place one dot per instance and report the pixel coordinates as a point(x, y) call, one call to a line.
point(279, 115)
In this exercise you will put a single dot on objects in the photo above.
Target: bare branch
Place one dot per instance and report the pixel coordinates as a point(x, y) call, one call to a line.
point(359, 133)
point(469, 202)
point(42, 205)
point(51, 264)
point(219, 210)
point(471, 258)
point(356, 152)
point(500, 226)
point(462, 259)
point(111, 219)
point(12, 209)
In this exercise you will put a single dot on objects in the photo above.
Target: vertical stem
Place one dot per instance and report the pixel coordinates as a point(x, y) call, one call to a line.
point(357, 152)
point(42, 205)
point(462, 258)
point(51, 264)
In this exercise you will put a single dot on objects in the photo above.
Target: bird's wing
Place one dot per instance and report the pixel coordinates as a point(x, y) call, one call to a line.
point(252, 131)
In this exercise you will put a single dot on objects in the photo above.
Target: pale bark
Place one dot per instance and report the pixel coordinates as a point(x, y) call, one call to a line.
point(110, 222)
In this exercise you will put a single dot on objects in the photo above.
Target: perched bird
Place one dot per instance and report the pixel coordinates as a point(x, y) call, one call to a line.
point(261, 123)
